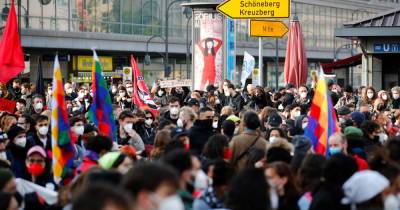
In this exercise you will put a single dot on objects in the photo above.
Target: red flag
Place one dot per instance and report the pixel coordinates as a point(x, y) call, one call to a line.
point(141, 96)
point(11, 54)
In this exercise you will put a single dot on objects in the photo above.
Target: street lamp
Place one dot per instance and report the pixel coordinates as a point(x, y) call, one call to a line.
point(147, 59)
point(188, 14)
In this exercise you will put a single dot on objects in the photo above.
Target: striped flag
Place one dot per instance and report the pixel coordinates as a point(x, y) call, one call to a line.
point(141, 95)
point(62, 146)
point(101, 112)
point(322, 121)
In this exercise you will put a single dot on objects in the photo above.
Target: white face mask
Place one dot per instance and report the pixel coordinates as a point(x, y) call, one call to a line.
point(20, 141)
point(303, 95)
point(160, 93)
point(128, 127)
point(342, 120)
point(227, 93)
point(217, 101)
point(43, 130)
point(215, 124)
point(130, 90)
point(148, 122)
point(38, 106)
point(370, 95)
point(297, 113)
point(236, 131)
point(78, 130)
point(171, 202)
point(395, 96)
point(179, 123)
point(3, 155)
point(81, 95)
point(304, 125)
point(122, 94)
point(383, 137)
point(272, 139)
point(174, 111)
point(114, 90)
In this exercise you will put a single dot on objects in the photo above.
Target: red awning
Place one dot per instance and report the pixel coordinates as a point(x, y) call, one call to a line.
point(347, 62)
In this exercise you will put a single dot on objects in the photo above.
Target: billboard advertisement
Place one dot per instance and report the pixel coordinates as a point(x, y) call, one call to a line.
point(207, 51)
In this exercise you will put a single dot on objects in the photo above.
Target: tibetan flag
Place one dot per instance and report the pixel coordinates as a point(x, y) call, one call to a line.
point(322, 121)
point(11, 54)
point(101, 112)
point(141, 95)
point(62, 146)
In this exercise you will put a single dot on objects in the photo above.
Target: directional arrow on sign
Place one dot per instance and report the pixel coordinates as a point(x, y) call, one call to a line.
point(267, 28)
point(248, 9)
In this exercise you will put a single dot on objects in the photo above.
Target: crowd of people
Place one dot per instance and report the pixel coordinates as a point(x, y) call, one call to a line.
point(222, 148)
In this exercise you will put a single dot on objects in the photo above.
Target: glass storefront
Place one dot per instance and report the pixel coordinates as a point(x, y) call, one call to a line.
point(147, 17)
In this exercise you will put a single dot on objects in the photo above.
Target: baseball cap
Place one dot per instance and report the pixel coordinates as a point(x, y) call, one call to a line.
point(178, 132)
point(274, 120)
point(193, 102)
point(363, 186)
point(37, 149)
point(343, 110)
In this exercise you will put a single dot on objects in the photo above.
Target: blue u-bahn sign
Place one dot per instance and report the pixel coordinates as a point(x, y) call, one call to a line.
point(387, 48)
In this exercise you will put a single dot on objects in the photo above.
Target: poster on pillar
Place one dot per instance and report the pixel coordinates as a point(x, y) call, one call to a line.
point(207, 53)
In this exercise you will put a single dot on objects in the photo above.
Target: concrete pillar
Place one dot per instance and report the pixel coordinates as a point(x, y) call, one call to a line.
point(376, 73)
point(364, 70)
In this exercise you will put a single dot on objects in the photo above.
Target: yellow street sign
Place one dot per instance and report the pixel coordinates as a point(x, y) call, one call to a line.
point(247, 9)
point(267, 28)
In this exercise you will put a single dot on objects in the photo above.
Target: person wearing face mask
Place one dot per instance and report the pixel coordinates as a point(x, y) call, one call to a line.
point(232, 98)
point(153, 186)
point(187, 116)
point(396, 97)
point(161, 97)
point(37, 106)
point(371, 132)
point(172, 114)
point(77, 128)
point(149, 126)
point(126, 133)
point(385, 99)
point(82, 101)
point(15, 89)
point(338, 145)
point(42, 136)
point(282, 182)
point(70, 94)
point(122, 98)
point(202, 129)
point(303, 97)
point(368, 97)
point(18, 147)
point(38, 168)
point(249, 138)
point(4, 153)
point(259, 99)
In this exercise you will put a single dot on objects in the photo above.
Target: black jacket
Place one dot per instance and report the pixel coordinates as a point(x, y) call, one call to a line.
point(236, 102)
point(199, 134)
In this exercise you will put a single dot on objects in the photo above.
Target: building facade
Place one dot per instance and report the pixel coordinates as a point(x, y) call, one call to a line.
point(119, 28)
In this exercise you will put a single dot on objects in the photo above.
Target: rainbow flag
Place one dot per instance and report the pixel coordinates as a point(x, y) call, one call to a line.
point(101, 112)
point(322, 121)
point(62, 146)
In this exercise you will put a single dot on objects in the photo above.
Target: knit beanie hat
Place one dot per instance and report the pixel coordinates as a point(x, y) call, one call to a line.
point(108, 160)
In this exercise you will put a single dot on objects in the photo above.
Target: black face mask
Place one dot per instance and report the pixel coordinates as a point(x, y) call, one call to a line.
point(206, 123)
